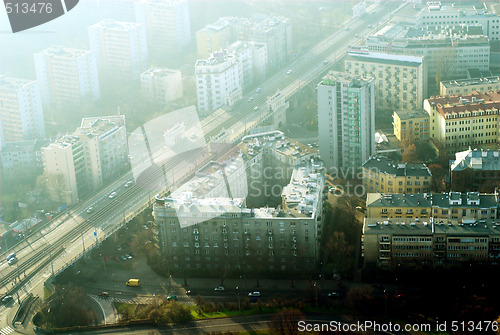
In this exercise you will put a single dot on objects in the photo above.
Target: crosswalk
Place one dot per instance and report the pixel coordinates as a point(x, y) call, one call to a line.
point(184, 299)
point(6, 330)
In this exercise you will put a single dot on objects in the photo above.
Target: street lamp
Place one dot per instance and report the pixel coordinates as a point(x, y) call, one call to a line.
point(239, 306)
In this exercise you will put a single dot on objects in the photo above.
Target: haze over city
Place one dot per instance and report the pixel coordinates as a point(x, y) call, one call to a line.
point(249, 167)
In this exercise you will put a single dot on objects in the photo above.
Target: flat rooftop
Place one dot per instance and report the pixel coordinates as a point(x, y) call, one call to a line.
point(477, 159)
point(11, 83)
point(411, 114)
point(384, 58)
point(471, 82)
point(111, 24)
point(58, 51)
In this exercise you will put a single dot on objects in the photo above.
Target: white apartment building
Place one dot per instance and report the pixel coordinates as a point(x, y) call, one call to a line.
point(244, 55)
point(400, 80)
point(346, 119)
point(162, 85)
point(21, 113)
point(83, 162)
point(217, 81)
point(259, 57)
point(468, 86)
point(66, 75)
point(120, 47)
point(436, 14)
point(167, 23)
point(449, 51)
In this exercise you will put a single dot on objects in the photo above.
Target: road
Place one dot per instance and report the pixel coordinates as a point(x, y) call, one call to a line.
point(60, 243)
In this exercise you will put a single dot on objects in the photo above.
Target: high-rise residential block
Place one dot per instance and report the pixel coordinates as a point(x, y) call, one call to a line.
point(120, 47)
point(167, 23)
point(21, 113)
point(400, 81)
point(67, 75)
point(346, 119)
point(162, 85)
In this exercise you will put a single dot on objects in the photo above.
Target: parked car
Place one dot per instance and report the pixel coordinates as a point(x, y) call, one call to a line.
point(289, 72)
point(89, 210)
point(7, 299)
point(254, 294)
point(103, 294)
point(256, 108)
point(112, 195)
point(12, 255)
point(220, 288)
point(250, 99)
point(12, 261)
point(128, 256)
point(123, 258)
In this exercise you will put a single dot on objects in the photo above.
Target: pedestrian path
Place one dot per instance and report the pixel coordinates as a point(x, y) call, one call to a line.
point(6, 330)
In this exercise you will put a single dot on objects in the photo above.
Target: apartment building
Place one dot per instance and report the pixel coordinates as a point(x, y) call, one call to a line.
point(21, 157)
point(469, 86)
point(167, 23)
point(400, 81)
point(64, 169)
point(162, 85)
point(244, 56)
point(274, 32)
point(411, 126)
point(475, 170)
point(120, 47)
point(211, 228)
point(67, 75)
point(21, 112)
point(435, 14)
point(440, 230)
point(381, 174)
point(217, 81)
point(215, 36)
point(93, 155)
point(448, 51)
point(458, 122)
point(346, 119)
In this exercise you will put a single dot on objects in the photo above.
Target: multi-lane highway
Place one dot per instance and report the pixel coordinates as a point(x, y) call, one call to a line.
point(62, 241)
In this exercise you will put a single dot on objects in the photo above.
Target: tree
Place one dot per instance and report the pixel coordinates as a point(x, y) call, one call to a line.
point(285, 322)
point(338, 252)
point(425, 152)
point(410, 154)
point(438, 174)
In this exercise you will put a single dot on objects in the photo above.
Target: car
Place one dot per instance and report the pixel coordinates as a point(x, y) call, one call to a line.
point(89, 210)
point(171, 298)
point(106, 258)
point(112, 195)
point(103, 294)
point(128, 256)
point(258, 90)
point(333, 294)
point(123, 258)
point(117, 259)
point(357, 35)
point(7, 299)
point(12, 255)
point(12, 261)
point(219, 288)
point(250, 99)
point(190, 292)
point(325, 62)
point(289, 72)
point(256, 108)
point(254, 294)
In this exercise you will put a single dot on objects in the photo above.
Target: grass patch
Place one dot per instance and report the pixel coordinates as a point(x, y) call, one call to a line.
point(46, 292)
point(125, 310)
point(228, 313)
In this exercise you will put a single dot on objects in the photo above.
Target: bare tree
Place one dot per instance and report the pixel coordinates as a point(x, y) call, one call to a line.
point(285, 322)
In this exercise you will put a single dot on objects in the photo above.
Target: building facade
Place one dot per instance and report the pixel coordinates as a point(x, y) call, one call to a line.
point(448, 52)
point(400, 81)
point(77, 164)
point(162, 85)
point(411, 126)
point(67, 75)
point(460, 122)
point(346, 112)
point(21, 113)
point(468, 86)
point(167, 23)
point(217, 81)
point(120, 47)
point(439, 230)
point(381, 175)
point(211, 228)
point(475, 170)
